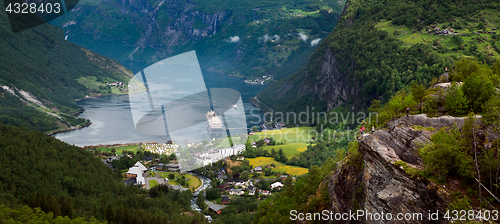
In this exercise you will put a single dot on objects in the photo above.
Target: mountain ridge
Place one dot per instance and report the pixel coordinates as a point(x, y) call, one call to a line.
point(250, 39)
point(41, 74)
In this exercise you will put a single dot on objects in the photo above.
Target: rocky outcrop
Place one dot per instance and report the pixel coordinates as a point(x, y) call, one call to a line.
point(376, 185)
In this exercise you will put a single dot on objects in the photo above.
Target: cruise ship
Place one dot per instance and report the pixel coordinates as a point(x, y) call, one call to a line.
point(214, 122)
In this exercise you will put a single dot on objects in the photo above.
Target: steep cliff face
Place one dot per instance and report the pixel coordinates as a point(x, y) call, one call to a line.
point(247, 38)
point(326, 82)
point(332, 87)
point(165, 35)
point(376, 185)
point(143, 28)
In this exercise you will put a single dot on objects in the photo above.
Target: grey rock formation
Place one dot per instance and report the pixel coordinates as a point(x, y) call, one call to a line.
point(378, 186)
point(160, 25)
point(332, 87)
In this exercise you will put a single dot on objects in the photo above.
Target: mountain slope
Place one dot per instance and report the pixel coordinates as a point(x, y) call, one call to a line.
point(384, 174)
point(424, 164)
point(41, 171)
point(245, 38)
point(379, 47)
point(41, 77)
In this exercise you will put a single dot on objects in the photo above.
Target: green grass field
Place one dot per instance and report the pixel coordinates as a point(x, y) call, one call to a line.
point(287, 136)
point(193, 181)
point(224, 143)
point(290, 150)
point(153, 183)
point(481, 40)
point(90, 82)
point(116, 91)
point(119, 149)
point(280, 167)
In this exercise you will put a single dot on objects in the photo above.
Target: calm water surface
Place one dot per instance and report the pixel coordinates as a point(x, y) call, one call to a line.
point(112, 119)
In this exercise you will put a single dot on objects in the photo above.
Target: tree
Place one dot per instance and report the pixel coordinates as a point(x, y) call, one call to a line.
point(456, 102)
point(66, 207)
point(244, 176)
point(110, 213)
point(213, 193)
point(492, 112)
point(272, 142)
point(277, 157)
point(171, 176)
point(113, 150)
point(172, 156)
point(250, 153)
point(469, 141)
point(418, 93)
point(478, 89)
point(443, 156)
point(201, 201)
point(268, 172)
point(260, 142)
point(396, 106)
point(375, 107)
point(466, 67)
point(458, 39)
point(255, 129)
point(481, 26)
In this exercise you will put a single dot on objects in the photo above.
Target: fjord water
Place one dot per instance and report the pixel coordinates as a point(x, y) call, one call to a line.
point(112, 121)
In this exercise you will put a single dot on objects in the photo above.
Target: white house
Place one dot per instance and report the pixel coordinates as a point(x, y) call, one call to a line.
point(251, 190)
point(214, 155)
point(138, 171)
point(276, 185)
point(236, 192)
point(257, 169)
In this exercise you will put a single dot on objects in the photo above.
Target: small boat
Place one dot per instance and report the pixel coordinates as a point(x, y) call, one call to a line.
point(235, 106)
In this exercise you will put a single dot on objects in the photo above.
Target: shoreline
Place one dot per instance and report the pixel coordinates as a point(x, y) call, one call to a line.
point(251, 100)
point(201, 185)
point(109, 145)
point(93, 97)
point(69, 129)
point(51, 133)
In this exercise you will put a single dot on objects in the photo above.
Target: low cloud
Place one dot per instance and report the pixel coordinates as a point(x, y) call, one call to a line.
point(315, 42)
point(266, 38)
point(234, 39)
point(303, 36)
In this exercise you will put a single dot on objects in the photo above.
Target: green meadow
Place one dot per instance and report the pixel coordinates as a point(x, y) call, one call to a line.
point(287, 135)
point(193, 181)
point(448, 45)
point(153, 183)
point(279, 167)
point(290, 150)
point(119, 149)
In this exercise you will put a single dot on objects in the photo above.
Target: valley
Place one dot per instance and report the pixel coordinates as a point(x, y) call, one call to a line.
point(379, 106)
